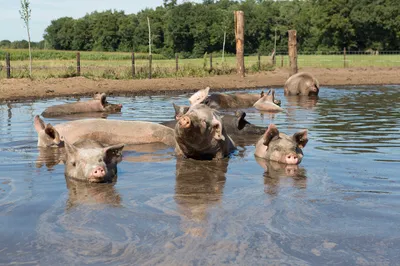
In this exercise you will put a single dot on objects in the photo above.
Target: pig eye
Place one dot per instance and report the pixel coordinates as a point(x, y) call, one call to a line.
point(73, 164)
point(100, 160)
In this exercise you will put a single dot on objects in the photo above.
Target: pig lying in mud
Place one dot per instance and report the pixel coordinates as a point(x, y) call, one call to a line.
point(279, 147)
point(200, 134)
point(105, 131)
point(302, 84)
point(267, 103)
point(91, 161)
point(97, 104)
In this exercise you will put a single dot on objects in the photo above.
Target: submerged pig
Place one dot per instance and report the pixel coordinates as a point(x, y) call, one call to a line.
point(91, 161)
point(279, 147)
point(267, 103)
point(97, 104)
point(200, 134)
point(106, 131)
point(302, 84)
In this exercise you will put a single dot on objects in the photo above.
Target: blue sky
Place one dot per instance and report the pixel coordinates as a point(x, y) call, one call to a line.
point(44, 11)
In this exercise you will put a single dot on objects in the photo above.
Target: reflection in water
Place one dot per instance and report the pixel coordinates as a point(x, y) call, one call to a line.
point(359, 123)
point(199, 186)
point(278, 176)
point(84, 193)
point(307, 102)
point(50, 157)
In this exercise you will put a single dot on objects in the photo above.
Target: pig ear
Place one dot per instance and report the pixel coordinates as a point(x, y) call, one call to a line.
point(241, 122)
point(199, 96)
point(113, 154)
point(268, 92)
point(301, 138)
point(70, 148)
point(271, 133)
point(52, 133)
point(262, 94)
point(38, 123)
point(217, 129)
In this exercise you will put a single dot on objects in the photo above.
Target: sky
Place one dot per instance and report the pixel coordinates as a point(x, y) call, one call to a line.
point(44, 11)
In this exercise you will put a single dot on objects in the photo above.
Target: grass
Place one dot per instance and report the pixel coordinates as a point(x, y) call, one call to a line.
point(114, 65)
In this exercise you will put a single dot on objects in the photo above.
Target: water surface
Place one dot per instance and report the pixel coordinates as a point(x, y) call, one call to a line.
point(340, 206)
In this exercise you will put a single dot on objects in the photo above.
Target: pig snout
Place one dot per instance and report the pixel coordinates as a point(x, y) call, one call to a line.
point(97, 174)
point(292, 159)
point(184, 122)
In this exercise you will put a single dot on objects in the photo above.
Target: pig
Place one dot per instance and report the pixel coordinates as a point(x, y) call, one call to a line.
point(92, 161)
point(279, 147)
point(267, 103)
point(302, 83)
point(97, 104)
point(235, 100)
point(235, 125)
point(106, 131)
point(200, 134)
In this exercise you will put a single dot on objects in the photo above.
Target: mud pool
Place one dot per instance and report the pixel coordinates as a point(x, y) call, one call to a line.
point(340, 206)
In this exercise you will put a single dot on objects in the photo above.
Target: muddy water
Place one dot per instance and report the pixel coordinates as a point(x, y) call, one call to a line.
point(340, 206)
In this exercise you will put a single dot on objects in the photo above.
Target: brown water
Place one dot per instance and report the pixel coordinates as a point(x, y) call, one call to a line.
point(340, 206)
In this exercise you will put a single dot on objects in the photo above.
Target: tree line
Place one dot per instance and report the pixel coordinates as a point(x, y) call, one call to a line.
point(193, 29)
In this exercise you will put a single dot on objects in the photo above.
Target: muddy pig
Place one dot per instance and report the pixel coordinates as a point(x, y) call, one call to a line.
point(106, 131)
point(200, 134)
point(97, 104)
point(302, 84)
point(268, 103)
point(91, 161)
point(279, 147)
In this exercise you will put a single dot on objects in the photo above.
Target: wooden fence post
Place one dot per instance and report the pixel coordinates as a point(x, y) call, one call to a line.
point(150, 62)
point(211, 62)
point(292, 47)
point(259, 61)
point(344, 57)
point(239, 35)
point(8, 65)
point(133, 65)
point(78, 64)
point(176, 62)
point(281, 60)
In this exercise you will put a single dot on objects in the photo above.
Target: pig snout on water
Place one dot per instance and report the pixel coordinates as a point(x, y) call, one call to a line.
point(279, 147)
point(91, 161)
point(200, 134)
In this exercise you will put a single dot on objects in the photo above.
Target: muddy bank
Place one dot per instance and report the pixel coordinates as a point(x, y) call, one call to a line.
point(26, 89)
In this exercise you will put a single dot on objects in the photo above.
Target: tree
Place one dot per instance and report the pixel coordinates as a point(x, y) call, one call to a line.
point(25, 13)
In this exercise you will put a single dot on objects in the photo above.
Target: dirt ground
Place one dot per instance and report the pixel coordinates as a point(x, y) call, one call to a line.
point(26, 89)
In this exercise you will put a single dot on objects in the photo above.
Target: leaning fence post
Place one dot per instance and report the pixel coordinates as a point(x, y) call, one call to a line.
point(259, 61)
point(211, 62)
point(344, 57)
point(292, 43)
point(8, 65)
point(150, 62)
point(78, 63)
point(133, 65)
point(239, 35)
point(176, 62)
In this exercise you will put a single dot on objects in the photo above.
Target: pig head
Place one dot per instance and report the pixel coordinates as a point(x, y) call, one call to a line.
point(279, 147)
point(91, 161)
point(200, 134)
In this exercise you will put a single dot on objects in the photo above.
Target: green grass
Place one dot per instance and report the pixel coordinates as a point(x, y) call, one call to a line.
point(114, 65)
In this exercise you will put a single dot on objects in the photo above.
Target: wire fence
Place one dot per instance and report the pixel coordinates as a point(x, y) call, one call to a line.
point(178, 67)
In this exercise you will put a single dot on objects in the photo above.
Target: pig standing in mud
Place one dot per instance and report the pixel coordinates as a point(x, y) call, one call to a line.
point(279, 147)
point(303, 84)
point(267, 103)
point(200, 134)
point(97, 104)
point(105, 131)
point(92, 161)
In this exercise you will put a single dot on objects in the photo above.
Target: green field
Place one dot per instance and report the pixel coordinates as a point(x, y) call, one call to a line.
point(114, 65)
